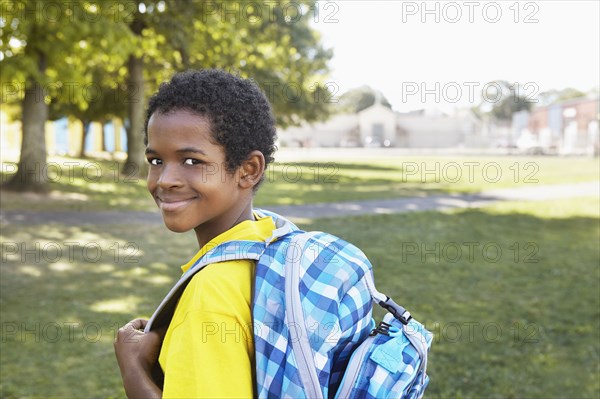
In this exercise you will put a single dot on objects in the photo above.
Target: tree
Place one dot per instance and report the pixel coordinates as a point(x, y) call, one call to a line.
point(272, 43)
point(282, 53)
point(555, 96)
point(355, 100)
point(145, 42)
point(44, 52)
point(505, 108)
point(504, 100)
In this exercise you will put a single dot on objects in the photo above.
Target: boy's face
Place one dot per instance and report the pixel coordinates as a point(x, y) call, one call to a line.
point(188, 178)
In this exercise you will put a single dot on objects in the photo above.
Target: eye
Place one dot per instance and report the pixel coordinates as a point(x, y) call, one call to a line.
point(154, 161)
point(192, 161)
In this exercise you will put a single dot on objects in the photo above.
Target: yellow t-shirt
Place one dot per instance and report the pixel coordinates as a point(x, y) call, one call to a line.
point(208, 350)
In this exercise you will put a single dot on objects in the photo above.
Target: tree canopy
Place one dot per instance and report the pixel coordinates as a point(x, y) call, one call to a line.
point(48, 52)
point(357, 99)
point(95, 59)
point(501, 99)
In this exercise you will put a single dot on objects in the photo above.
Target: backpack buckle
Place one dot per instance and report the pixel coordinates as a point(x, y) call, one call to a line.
point(401, 314)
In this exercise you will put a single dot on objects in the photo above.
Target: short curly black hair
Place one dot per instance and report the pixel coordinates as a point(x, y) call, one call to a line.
point(239, 113)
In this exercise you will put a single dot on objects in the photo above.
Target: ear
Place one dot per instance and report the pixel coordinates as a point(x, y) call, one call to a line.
point(251, 170)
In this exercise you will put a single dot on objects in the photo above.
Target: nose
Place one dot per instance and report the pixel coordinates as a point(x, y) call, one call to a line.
point(169, 177)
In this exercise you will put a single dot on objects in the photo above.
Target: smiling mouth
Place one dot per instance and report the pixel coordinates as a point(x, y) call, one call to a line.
point(173, 206)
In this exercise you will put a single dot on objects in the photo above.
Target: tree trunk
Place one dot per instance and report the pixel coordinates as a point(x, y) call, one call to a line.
point(84, 132)
point(103, 136)
point(32, 172)
point(135, 164)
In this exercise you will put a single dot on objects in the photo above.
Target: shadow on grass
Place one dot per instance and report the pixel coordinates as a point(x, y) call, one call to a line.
point(66, 290)
point(299, 183)
point(82, 184)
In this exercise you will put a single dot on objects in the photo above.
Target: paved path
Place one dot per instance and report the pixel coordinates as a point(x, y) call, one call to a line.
point(309, 211)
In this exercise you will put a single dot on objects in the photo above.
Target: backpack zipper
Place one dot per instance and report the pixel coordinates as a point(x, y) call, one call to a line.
point(354, 368)
point(357, 360)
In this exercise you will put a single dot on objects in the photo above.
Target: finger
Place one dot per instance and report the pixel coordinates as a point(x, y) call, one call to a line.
point(129, 335)
point(131, 330)
point(137, 324)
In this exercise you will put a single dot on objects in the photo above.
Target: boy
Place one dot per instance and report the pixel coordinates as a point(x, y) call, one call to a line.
point(209, 137)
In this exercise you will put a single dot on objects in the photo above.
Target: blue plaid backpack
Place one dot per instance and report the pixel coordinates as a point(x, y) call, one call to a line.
point(314, 335)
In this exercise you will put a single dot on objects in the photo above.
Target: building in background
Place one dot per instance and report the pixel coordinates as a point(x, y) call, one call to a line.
point(568, 127)
point(379, 126)
point(565, 128)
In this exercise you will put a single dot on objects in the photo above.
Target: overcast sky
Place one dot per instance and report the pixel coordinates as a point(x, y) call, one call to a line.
point(398, 47)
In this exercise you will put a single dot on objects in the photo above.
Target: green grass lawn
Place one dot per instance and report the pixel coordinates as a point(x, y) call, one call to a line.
point(80, 185)
point(516, 317)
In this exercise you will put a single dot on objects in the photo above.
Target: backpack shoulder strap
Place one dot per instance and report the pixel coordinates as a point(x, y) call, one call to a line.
point(301, 346)
point(227, 251)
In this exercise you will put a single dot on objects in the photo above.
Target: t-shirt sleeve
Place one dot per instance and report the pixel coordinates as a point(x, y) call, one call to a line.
point(210, 351)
